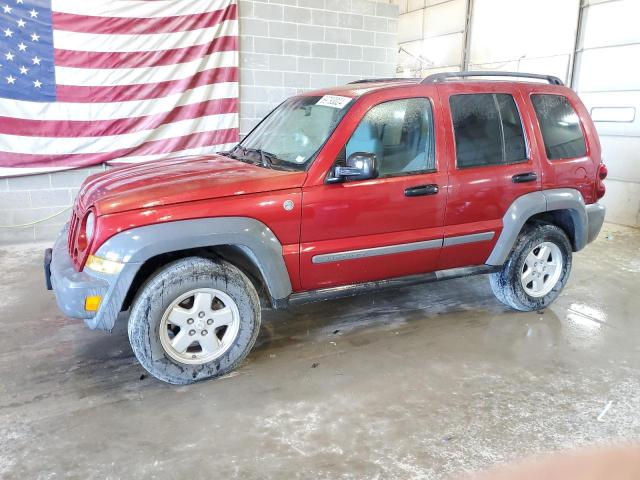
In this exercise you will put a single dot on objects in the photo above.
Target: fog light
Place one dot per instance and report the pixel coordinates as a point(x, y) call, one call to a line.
point(92, 303)
point(103, 265)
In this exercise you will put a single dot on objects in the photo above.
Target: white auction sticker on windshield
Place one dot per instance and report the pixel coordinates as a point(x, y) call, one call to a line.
point(335, 101)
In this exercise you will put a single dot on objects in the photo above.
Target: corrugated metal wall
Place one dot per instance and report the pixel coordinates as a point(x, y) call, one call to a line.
point(542, 36)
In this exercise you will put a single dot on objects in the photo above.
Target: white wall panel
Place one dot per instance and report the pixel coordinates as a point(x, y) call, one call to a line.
point(435, 2)
point(557, 65)
point(616, 150)
point(623, 202)
point(445, 18)
point(444, 50)
point(437, 52)
point(431, 71)
point(503, 31)
point(415, 5)
point(607, 76)
point(612, 23)
point(410, 26)
point(627, 100)
point(611, 68)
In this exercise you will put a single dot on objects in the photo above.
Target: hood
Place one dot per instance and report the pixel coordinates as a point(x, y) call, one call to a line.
point(173, 181)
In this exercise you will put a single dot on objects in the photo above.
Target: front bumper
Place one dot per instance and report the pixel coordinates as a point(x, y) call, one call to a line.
point(71, 287)
point(595, 219)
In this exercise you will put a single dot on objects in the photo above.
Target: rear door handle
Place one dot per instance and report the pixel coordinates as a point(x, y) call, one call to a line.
point(524, 177)
point(430, 189)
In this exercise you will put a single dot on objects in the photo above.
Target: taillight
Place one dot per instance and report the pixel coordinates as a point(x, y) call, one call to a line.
point(602, 171)
point(602, 174)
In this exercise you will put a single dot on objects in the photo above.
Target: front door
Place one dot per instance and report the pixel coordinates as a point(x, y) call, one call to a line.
point(390, 226)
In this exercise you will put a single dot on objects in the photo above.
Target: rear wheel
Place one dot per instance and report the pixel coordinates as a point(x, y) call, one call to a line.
point(195, 319)
point(537, 269)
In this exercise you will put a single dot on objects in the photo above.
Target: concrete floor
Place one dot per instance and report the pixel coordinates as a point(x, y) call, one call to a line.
point(423, 382)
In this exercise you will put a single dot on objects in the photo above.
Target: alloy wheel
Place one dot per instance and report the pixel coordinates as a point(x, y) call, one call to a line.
point(199, 326)
point(542, 269)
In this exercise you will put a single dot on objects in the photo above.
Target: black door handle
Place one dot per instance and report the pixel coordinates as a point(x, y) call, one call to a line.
point(524, 177)
point(430, 189)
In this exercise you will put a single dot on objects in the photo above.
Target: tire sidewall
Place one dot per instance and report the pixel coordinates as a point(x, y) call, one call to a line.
point(163, 288)
point(537, 235)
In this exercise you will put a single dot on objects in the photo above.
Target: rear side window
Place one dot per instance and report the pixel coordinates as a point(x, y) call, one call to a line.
point(488, 130)
point(560, 127)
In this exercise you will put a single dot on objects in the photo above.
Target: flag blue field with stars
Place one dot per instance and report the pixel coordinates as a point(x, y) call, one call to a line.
point(27, 69)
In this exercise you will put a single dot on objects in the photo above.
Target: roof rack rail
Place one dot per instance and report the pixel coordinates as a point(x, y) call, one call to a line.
point(390, 79)
point(440, 77)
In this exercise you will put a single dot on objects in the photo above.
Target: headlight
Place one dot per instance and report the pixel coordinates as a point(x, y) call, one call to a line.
point(89, 225)
point(103, 265)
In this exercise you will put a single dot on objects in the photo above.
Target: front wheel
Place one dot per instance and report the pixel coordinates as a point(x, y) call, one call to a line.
point(537, 269)
point(194, 319)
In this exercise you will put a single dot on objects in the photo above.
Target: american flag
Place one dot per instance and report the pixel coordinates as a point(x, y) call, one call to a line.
point(89, 81)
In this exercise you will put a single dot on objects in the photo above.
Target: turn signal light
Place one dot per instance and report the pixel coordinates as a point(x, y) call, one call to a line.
point(91, 304)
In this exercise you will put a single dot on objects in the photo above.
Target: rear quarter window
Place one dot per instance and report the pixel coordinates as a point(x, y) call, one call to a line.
point(560, 127)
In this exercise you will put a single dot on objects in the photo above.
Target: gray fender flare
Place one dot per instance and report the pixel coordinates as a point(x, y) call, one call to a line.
point(138, 245)
point(524, 207)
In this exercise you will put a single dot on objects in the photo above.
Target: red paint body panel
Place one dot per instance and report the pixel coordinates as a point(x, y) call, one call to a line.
point(172, 182)
point(371, 213)
point(479, 196)
point(578, 173)
point(331, 218)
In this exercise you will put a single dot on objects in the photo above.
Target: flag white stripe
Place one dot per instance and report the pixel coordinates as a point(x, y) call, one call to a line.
point(137, 9)
point(110, 77)
point(182, 153)
point(113, 110)
point(18, 171)
point(60, 146)
point(150, 42)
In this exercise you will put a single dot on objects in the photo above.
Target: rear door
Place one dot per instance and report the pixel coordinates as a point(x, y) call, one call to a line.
point(491, 164)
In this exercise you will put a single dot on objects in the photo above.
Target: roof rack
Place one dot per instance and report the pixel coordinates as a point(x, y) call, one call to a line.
point(440, 77)
point(391, 79)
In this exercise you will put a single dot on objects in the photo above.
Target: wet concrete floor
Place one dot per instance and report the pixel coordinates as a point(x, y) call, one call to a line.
point(425, 382)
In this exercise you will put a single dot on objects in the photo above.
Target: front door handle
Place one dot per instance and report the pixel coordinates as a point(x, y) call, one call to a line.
point(430, 189)
point(524, 177)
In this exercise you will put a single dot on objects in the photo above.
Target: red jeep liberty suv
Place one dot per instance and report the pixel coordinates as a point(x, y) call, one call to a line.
point(375, 184)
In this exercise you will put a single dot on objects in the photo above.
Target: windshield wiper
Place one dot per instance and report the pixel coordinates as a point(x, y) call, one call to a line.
point(231, 154)
point(267, 159)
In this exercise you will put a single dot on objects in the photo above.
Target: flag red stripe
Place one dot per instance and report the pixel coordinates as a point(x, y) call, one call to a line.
point(123, 93)
point(194, 140)
point(76, 59)
point(116, 126)
point(126, 25)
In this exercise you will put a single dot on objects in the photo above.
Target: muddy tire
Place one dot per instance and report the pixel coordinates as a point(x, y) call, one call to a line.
point(537, 269)
point(194, 319)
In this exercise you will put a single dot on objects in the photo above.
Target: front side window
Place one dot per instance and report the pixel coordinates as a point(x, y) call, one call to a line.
point(293, 132)
point(560, 127)
point(400, 134)
point(488, 130)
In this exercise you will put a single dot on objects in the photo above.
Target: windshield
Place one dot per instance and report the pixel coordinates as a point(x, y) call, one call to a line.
point(293, 132)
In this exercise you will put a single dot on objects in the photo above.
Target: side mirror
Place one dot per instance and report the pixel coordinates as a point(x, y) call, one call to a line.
point(360, 166)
